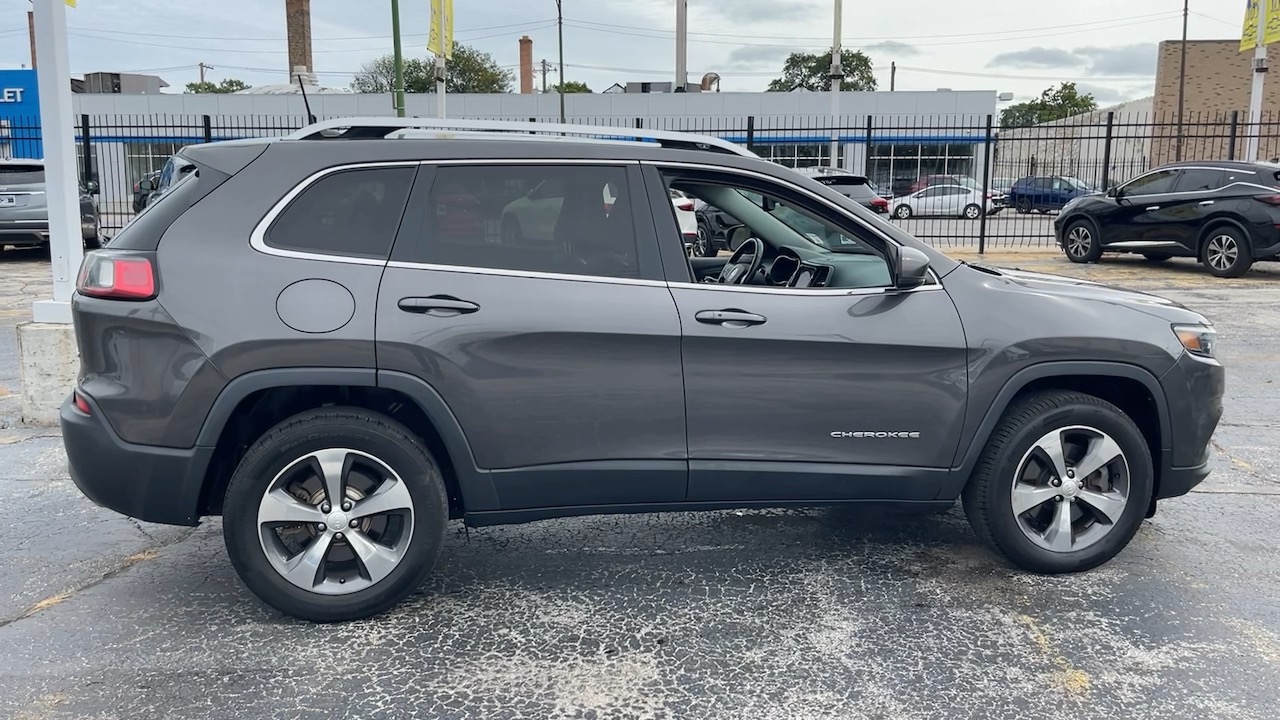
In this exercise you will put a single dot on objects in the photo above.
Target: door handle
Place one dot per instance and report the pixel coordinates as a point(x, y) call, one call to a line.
point(730, 318)
point(1153, 208)
point(1206, 202)
point(437, 306)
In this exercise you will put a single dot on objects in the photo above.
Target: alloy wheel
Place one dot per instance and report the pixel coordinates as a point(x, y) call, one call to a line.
point(1071, 489)
point(703, 243)
point(1221, 252)
point(335, 521)
point(1079, 240)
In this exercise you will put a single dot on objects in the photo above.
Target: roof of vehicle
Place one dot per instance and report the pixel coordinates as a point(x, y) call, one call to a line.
point(20, 161)
point(1233, 164)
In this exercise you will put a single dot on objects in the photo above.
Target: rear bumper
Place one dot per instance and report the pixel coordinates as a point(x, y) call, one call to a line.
point(149, 483)
point(37, 233)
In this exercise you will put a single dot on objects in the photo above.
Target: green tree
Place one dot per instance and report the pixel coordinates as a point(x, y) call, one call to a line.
point(470, 71)
point(812, 71)
point(1057, 103)
point(573, 86)
point(229, 85)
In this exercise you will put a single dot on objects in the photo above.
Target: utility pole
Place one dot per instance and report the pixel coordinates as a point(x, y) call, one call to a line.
point(560, 38)
point(31, 35)
point(441, 69)
point(1182, 79)
point(893, 76)
point(1259, 83)
point(204, 67)
point(682, 45)
point(836, 76)
point(545, 68)
point(398, 58)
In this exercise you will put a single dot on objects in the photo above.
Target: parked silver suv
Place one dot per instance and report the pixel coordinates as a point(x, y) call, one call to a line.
point(338, 341)
point(24, 214)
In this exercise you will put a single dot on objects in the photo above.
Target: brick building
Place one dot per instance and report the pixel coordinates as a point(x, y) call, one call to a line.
point(1219, 78)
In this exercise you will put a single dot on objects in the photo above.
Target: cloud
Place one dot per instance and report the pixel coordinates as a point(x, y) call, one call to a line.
point(1124, 60)
point(1104, 95)
point(1036, 57)
point(756, 56)
point(893, 47)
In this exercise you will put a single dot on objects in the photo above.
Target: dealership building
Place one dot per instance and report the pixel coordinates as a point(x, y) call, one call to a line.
point(887, 135)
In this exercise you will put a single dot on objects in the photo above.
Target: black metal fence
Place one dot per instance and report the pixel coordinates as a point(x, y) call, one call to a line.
point(902, 155)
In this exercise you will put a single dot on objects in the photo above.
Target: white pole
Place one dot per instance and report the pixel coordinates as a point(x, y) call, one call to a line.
point(66, 245)
point(836, 76)
point(1259, 80)
point(441, 67)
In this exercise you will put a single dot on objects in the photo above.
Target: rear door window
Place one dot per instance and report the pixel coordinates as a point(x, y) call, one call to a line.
point(353, 213)
point(1199, 180)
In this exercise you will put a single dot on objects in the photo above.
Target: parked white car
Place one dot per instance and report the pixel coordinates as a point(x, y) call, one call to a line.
point(943, 200)
point(685, 215)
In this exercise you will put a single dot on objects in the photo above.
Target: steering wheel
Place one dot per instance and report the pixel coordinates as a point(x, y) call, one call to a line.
point(737, 271)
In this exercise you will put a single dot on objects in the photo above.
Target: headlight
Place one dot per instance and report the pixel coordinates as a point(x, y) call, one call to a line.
point(1199, 340)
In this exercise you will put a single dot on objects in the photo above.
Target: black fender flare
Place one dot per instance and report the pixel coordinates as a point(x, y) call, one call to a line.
point(476, 486)
point(1020, 380)
point(1217, 222)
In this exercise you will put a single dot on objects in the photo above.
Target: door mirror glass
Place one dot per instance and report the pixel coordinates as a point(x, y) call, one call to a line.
point(91, 187)
point(738, 236)
point(147, 185)
point(1114, 192)
point(913, 268)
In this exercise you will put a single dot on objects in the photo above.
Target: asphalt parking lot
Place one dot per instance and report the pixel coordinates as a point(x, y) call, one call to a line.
point(825, 613)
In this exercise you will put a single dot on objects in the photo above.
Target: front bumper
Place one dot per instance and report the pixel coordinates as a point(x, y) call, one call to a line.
point(1193, 389)
point(149, 483)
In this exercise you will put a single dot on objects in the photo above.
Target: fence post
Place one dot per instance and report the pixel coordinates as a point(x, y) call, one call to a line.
point(1106, 152)
point(866, 154)
point(639, 123)
point(208, 129)
point(751, 132)
point(86, 160)
point(986, 188)
point(1235, 131)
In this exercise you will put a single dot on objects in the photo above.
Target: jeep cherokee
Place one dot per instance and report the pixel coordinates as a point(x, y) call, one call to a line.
point(332, 341)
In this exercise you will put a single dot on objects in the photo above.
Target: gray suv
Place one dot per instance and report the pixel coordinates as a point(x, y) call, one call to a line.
point(339, 340)
point(24, 214)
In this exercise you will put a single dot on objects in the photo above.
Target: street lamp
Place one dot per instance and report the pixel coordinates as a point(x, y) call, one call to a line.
point(398, 57)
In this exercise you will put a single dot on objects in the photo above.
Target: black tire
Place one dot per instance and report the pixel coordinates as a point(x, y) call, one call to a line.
point(347, 428)
point(987, 498)
point(972, 211)
point(705, 245)
point(1023, 206)
point(903, 212)
point(1156, 257)
point(1226, 252)
point(1081, 243)
point(93, 243)
point(1042, 211)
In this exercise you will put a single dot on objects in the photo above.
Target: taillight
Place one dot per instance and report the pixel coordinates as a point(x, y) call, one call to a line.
point(1270, 199)
point(116, 277)
point(81, 404)
point(686, 205)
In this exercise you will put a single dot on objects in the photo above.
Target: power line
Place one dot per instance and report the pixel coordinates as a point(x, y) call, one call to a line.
point(1217, 20)
point(932, 71)
point(877, 38)
point(83, 34)
point(282, 39)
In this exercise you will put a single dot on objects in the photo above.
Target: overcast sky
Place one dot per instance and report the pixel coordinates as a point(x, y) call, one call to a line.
point(1107, 46)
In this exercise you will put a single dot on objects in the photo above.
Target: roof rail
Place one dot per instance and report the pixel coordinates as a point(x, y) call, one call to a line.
point(382, 127)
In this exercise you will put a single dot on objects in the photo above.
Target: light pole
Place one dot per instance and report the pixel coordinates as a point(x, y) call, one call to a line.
point(560, 37)
point(398, 58)
point(836, 76)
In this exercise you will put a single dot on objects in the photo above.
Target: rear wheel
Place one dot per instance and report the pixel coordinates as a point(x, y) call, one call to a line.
point(1081, 243)
point(1063, 485)
point(1226, 253)
point(705, 245)
point(335, 514)
point(902, 212)
point(972, 211)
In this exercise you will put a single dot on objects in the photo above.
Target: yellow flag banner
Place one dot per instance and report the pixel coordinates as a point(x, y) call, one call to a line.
point(71, 3)
point(440, 42)
point(1272, 31)
point(1249, 34)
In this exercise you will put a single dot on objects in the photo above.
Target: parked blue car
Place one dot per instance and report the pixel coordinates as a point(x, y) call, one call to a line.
point(1043, 194)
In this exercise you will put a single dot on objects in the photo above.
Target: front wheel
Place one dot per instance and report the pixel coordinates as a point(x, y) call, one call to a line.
point(335, 514)
point(1227, 254)
point(902, 212)
point(1081, 243)
point(1063, 485)
point(972, 212)
point(705, 245)
point(1023, 205)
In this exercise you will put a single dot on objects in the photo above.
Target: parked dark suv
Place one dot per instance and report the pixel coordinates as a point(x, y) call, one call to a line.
point(299, 337)
point(1226, 214)
point(1043, 194)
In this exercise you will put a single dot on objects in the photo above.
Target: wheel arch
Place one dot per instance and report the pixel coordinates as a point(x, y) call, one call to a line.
point(1131, 388)
point(1218, 221)
point(253, 403)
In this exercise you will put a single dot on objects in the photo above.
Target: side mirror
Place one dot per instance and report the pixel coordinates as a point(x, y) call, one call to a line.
point(1113, 192)
point(91, 187)
point(738, 236)
point(913, 268)
point(147, 185)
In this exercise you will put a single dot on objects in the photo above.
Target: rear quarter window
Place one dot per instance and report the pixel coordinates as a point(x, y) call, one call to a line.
point(353, 213)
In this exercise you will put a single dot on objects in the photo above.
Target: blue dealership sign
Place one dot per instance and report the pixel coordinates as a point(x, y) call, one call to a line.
point(19, 114)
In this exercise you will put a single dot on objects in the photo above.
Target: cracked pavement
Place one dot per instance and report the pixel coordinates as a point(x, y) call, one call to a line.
point(824, 613)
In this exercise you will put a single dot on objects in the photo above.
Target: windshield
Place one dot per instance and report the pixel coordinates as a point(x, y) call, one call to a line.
point(1076, 183)
point(14, 174)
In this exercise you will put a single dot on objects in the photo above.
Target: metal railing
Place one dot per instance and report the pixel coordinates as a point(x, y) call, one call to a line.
point(901, 154)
